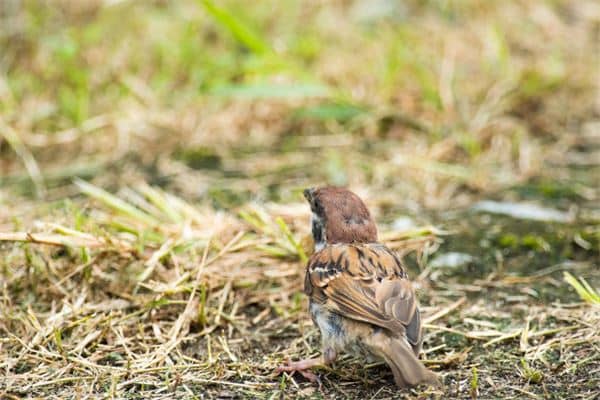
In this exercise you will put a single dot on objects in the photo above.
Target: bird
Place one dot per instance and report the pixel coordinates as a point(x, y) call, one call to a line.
point(359, 293)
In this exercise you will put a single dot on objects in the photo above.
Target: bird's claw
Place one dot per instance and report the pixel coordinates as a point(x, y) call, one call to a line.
point(301, 368)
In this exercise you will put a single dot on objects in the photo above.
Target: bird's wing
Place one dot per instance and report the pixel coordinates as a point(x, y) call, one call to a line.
point(366, 283)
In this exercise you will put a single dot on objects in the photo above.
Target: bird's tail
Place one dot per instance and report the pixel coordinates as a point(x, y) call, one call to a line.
point(406, 367)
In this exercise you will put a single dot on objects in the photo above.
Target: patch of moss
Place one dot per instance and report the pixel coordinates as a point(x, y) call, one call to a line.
point(534, 242)
point(508, 240)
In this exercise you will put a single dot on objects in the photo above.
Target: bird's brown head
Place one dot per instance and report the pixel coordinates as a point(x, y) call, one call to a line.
point(339, 216)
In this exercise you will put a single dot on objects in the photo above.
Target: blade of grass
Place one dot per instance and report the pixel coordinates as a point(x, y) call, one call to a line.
point(155, 258)
point(115, 203)
point(288, 234)
point(256, 221)
point(323, 112)
point(25, 155)
point(139, 201)
point(273, 251)
point(52, 239)
point(583, 289)
point(158, 199)
point(270, 91)
point(242, 32)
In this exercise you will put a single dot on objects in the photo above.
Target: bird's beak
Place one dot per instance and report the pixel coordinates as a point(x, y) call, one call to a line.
point(308, 194)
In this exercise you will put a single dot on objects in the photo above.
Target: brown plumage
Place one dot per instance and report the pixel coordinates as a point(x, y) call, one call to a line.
point(345, 216)
point(360, 295)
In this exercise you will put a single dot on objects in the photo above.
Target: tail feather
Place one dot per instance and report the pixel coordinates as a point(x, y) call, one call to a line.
point(406, 367)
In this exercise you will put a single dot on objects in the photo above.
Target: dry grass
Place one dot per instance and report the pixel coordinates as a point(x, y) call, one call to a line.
point(152, 235)
point(176, 301)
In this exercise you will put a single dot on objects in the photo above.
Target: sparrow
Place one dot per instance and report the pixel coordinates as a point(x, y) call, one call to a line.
point(360, 296)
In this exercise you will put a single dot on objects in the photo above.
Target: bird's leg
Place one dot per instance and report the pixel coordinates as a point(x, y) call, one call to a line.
point(302, 366)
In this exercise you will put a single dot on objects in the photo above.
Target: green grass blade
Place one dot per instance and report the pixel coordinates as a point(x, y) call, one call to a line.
point(324, 112)
point(288, 234)
point(583, 289)
point(272, 91)
point(13, 139)
point(273, 251)
point(256, 220)
point(159, 200)
point(595, 297)
point(242, 32)
point(115, 203)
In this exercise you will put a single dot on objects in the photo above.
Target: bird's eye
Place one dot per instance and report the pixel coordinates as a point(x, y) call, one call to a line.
point(316, 207)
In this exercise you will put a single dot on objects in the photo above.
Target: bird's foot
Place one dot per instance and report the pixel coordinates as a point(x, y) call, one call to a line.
point(302, 367)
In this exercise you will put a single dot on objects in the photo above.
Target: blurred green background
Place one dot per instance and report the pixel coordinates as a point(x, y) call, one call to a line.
point(426, 103)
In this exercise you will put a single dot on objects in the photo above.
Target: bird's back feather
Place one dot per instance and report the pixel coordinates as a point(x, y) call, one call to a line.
point(367, 283)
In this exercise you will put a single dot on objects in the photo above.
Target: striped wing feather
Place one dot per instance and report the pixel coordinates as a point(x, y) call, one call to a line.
point(365, 282)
